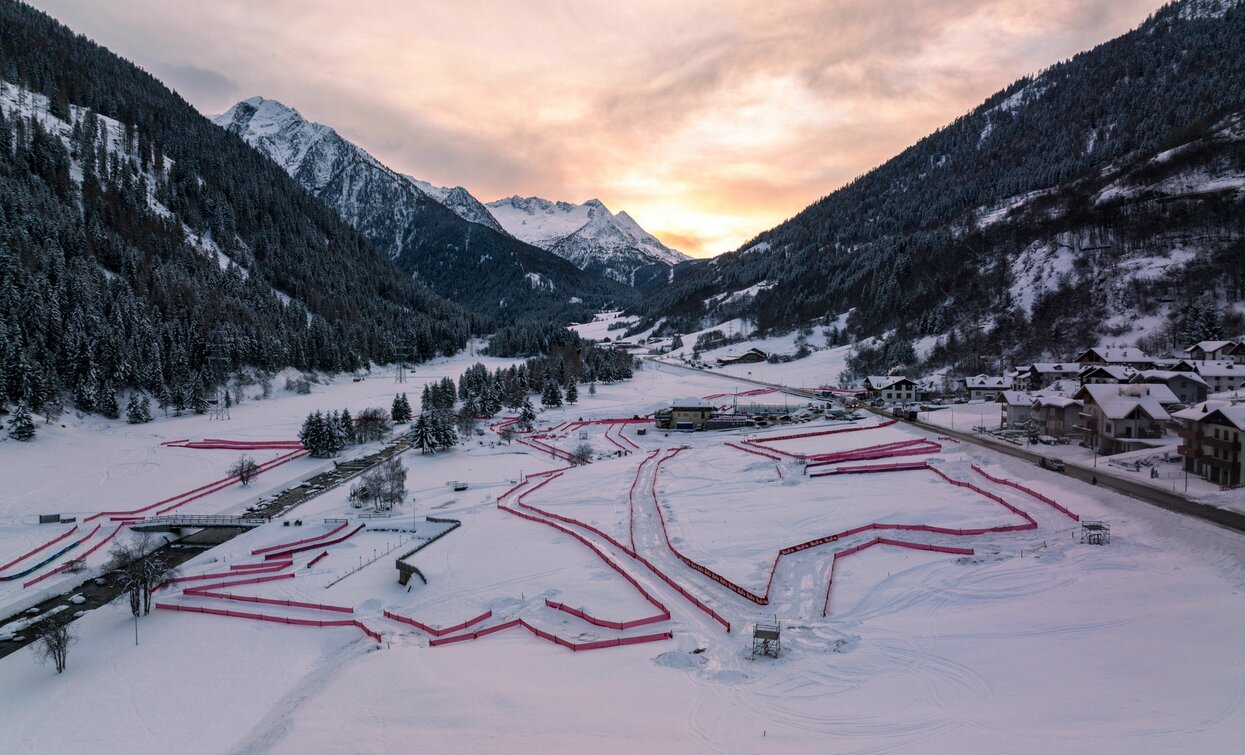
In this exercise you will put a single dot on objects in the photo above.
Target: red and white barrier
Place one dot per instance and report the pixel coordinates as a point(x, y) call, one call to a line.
point(304, 541)
point(274, 619)
point(45, 546)
point(443, 631)
point(549, 637)
point(288, 552)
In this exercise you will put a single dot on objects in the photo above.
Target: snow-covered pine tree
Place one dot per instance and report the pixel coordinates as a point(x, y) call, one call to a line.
point(106, 401)
point(137, 409)
point(21, 426)
point(443, 433)
point(346, 422)
point(572, 394)
point(422, 436)
point(527, 415)
point(552, 395)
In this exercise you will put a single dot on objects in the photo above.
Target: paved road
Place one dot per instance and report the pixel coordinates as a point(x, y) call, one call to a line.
point(1157, 496)
point(1164, 499)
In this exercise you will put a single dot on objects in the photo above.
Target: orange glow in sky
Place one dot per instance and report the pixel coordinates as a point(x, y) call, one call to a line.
point(708, 121)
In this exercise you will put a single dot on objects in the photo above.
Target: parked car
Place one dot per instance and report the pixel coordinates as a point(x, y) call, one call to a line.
point(1054, 465)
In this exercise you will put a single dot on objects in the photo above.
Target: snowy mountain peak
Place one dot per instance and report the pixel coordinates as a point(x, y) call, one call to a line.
point(316, 154)
point(587, 234)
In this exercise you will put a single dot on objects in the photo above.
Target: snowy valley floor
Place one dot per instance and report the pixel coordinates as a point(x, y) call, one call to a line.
point(1033, 643)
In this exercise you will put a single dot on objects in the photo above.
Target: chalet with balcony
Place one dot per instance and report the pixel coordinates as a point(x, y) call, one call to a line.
point(1210, 441)
point(891, 388)
point(1119, 417)
point(1016, 407)
point(1211, 350)
point(1221, 376)
point(1057, 416)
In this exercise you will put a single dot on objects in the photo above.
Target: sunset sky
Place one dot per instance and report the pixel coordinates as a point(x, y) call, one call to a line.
point(707, 121)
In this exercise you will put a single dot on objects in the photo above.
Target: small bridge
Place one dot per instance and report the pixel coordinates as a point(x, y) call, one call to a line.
point(174, 523)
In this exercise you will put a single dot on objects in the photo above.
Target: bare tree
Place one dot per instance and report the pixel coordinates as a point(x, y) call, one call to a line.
point(372, 424)
point(582, 454)
point(142, 568)
point(385, 484)
point(54, 641)
point(245, 469)
point(467, 423)
point(506, 434)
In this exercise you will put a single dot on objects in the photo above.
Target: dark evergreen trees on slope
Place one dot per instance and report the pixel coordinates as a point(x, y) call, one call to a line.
point(102, 286)
point(401, 410)
point(138, 409)
point(322, 435)
point(552, 395)
point(21, 426)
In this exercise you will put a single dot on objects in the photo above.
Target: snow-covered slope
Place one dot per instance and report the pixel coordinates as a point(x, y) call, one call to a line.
point(587, 234)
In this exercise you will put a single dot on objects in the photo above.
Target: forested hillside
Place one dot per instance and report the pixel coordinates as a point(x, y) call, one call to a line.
point(143, 247)
point(933, 242)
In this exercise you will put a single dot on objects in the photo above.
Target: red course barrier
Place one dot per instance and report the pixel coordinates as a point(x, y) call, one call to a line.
point(439, 632)
point(275, 619)
point(548, 637)
point(319, 543)
point(1044, 499)
point(753, 451)
point(48, 544)
point(304, 541)
point(199, 492)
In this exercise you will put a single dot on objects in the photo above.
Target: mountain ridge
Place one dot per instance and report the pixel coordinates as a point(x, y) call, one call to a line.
point(476, 264)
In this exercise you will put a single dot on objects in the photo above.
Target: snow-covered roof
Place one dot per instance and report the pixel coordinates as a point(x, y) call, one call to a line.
point(1014, 397)
point(1119, 372)
point(1067, 368)
point(1227, 411)
point(881, 382)
point(1118, 400)
point(1218, 368)
point(1164, 376)
point(1064, 387)
point(1209, 347)
point(690, 402)
point(1060, 402)
point(1115, 355)
point(986, 382)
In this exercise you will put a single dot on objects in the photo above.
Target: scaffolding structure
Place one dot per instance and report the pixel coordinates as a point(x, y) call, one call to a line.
point(1095, 532)
point(766, 640)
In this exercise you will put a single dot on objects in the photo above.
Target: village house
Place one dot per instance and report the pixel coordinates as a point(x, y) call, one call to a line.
point(1134, 358)
point(985, 387)
point(1221, 376)
point(1056, 416)
point(1039, 374)
point(890, 388)
point(1016, 408)
point(1237, 354)
point(751, 356)
point(1119, 417)
point(1210, 441)
point(1189, 387)
point(1210, 350)
point(684, 414)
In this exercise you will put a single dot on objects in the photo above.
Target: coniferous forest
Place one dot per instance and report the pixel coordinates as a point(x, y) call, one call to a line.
point(142, 247)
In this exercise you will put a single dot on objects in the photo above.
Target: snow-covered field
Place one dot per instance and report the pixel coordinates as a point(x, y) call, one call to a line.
point(1034, 643)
